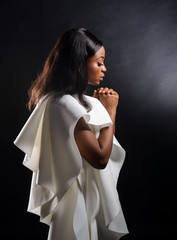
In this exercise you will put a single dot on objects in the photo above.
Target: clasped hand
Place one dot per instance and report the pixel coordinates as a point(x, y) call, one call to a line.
point(108, 97)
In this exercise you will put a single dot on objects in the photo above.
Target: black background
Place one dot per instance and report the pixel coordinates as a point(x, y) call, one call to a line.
point(140, 38)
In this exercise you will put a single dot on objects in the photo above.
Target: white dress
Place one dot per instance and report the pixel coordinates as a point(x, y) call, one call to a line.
point(77, 201)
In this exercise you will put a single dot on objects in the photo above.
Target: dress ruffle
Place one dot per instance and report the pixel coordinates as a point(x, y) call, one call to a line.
point(65, 189)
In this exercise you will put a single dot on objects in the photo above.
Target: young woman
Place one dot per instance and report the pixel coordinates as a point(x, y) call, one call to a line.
point(70, 145)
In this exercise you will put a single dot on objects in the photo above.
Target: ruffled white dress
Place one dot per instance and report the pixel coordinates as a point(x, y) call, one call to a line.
point(77, 201)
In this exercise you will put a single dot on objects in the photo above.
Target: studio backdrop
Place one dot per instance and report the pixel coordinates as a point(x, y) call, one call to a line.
point(140, 39)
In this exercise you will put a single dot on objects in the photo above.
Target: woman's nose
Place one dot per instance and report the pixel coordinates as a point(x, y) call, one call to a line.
point(104, 69)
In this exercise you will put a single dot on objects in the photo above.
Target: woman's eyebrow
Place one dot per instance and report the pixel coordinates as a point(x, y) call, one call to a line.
point(100, 57)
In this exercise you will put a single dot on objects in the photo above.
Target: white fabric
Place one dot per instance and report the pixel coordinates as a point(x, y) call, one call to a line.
point(77, 201)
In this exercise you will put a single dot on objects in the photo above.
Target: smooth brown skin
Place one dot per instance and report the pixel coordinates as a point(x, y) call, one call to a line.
point(97, 151)
point(96, 68)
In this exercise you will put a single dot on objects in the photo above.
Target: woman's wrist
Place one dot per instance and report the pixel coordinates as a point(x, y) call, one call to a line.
point(112, 114)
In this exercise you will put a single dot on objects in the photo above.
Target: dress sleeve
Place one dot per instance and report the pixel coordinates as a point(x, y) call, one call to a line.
point(107, 178)
point(51, 152)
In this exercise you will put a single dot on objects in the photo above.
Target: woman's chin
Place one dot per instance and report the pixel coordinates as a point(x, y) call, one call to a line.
point(96, 83)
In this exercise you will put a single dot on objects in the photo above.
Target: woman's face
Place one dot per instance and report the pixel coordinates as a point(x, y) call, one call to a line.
point(96, 68)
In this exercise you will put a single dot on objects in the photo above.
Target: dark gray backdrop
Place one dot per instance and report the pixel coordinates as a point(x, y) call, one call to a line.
point(140, 38)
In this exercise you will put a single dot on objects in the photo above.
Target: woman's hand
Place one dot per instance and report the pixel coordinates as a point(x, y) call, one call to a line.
point(97, 151)
point(109, 98)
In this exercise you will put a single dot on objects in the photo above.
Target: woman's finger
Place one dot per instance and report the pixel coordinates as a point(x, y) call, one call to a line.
point(99, 90)
point(102, 90)
point(95, 94)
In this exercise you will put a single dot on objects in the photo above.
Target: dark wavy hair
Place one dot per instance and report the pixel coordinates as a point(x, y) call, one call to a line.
point(65, 69)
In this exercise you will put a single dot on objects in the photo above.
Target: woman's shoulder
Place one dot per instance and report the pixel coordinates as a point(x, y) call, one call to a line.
point(64, 100)
point(91, 98)
point(72, 101)
point(69, 101)
point(68, 107)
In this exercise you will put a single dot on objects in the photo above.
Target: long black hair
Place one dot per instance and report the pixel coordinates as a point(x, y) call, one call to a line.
point(65, 69)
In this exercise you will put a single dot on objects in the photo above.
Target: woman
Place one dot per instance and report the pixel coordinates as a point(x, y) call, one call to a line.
point(70, 145)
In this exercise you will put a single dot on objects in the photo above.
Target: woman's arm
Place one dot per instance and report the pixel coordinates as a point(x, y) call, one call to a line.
point(97, 151)
point(100, 94)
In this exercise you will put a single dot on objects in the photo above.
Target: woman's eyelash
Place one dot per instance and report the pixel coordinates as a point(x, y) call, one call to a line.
point(100, 64)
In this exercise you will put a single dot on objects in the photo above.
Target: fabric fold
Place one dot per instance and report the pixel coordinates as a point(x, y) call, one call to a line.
point(43, 138)
point(59, 172)
point(107, 183)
